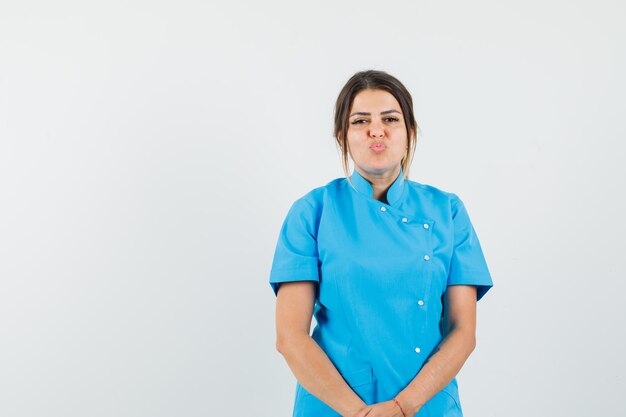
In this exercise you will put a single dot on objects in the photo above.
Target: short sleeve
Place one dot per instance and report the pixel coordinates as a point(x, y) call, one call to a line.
point(468, 265)
point(296, 256)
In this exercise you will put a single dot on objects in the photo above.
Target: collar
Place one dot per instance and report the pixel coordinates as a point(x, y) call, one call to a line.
point(363, 186)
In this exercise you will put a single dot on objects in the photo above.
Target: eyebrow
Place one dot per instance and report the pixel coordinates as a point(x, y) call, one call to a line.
point(362, 113)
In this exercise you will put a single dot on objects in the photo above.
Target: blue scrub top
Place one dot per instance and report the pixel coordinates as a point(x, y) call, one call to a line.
point(382, 270)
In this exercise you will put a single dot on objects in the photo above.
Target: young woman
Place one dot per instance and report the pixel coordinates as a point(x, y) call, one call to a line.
point(390, 268)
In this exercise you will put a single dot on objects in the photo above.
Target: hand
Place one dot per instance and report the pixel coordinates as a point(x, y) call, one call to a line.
point(384, 409)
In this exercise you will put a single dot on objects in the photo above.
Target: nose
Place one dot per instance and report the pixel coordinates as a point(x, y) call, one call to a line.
point(376, 130)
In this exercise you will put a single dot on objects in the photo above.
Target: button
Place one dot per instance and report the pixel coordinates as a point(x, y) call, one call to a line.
point(417, 350)
point(426, 226)
point(420, 302)
point(383, 208)
point(404, 220)
point(426, 257)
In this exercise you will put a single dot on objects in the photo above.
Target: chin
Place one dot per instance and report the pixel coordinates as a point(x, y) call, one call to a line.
point(379, 167)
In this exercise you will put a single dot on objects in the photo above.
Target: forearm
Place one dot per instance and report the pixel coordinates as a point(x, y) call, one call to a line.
point(438, 371)
point(317, 374)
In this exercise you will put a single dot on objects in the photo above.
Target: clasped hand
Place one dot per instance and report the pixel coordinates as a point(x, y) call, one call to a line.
point(383, 409)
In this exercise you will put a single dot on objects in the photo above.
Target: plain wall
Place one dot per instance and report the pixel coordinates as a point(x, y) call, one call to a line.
point(149, 152)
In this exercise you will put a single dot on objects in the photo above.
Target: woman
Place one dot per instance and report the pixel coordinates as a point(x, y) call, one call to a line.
point(390, 268)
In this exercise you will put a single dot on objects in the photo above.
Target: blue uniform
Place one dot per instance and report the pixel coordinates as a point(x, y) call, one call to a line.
point(382, 270)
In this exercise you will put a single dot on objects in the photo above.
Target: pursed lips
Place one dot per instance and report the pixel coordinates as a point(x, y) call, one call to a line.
point(378, 146)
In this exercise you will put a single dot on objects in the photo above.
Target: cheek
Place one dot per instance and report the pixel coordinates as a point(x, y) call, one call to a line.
point(356, 140)
point(357, 136)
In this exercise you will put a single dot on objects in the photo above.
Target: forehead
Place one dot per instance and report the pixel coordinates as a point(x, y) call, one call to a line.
point(374, 101)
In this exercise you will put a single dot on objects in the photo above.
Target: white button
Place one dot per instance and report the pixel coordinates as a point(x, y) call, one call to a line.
point(426, 257)
point(417, 350)
point(420, 302)
point(383, 208)
point(426, 226)
point(404, 220)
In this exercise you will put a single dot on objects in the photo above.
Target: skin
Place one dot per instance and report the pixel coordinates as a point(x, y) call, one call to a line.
point(378, 118)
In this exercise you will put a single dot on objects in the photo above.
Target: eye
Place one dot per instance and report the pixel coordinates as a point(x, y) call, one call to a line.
point(358, 122)
point(392, 119)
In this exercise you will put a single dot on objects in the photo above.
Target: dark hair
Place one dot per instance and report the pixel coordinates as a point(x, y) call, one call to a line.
point(374, 80)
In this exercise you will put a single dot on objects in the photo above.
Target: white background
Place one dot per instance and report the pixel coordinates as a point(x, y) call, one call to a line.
point(149, 152)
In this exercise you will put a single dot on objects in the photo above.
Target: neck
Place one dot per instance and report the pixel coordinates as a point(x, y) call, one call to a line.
point(380, 181)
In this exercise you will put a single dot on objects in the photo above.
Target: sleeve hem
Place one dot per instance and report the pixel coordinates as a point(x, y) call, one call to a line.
point(275, 283)
point(482, 285)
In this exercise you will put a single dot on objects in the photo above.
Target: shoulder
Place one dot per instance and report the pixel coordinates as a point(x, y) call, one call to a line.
point(318, 196)
point(430, 194)
point(310, 205)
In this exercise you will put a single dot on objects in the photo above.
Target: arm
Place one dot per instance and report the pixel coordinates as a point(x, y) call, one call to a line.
point(453, 351)
point(307, 361)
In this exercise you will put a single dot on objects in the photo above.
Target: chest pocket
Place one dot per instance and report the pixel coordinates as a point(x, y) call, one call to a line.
point(420, 245)
point(422, 231)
